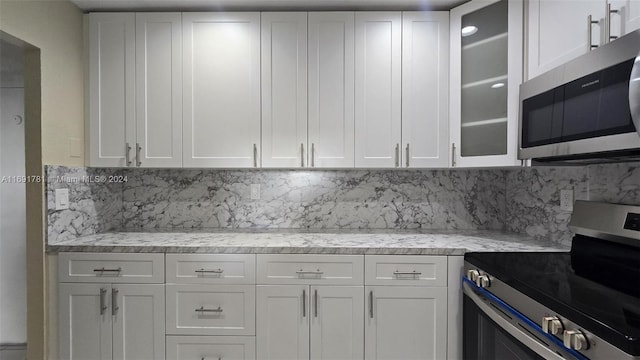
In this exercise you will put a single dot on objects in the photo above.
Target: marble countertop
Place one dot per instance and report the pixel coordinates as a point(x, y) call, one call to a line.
point(307, 242)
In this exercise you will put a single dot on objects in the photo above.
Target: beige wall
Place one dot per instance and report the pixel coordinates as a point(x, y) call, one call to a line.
point(55, 27)
point(54, 127)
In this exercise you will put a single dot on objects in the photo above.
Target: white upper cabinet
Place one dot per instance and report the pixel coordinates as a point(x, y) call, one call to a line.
point(486, 72)
point(627, 17)
point(560, 30)
point(425, 89)
point(135, 92)
point(284, 89)
point(112, 88)
point(331, 89)
point(221, 83)
point(159, 89)
point(377, 89)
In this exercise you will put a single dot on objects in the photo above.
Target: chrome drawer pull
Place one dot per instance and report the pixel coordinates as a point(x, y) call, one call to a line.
point(219, 358)
point(108, 270)
point(415, 273)
point(211, 271)
point(203, 310)
point(306, 272)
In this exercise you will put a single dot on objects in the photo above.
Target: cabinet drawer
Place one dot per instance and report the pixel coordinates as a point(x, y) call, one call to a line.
point(211, 310)
point(211, 269)
point(211, 347)
point(310, 269)
point(406, 270)
point(111, 268)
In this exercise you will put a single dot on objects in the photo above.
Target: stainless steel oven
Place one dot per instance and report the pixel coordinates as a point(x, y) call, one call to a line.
point(582, 304)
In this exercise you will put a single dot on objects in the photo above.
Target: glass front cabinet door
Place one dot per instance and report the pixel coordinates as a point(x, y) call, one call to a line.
point(486, 58)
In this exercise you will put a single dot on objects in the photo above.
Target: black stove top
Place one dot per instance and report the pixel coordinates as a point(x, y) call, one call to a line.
point(597, 285)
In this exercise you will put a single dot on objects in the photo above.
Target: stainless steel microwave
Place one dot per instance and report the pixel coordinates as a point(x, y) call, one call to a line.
point(587, 110)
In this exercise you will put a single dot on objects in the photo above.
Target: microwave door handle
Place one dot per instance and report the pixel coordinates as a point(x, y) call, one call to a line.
point(634, 94)
point(511, 329)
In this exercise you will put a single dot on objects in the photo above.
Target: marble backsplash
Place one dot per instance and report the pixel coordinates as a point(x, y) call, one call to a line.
point(522, 200)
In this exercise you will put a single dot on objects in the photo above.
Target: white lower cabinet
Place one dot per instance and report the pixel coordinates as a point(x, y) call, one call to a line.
point(211, 347)
point(111, 321)
point(309, 322)
point(406, 322)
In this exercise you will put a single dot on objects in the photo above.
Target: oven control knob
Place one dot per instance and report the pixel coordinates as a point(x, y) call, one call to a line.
point(552, 325)
point(575, 339)
point(483, 281)
point(473, 274)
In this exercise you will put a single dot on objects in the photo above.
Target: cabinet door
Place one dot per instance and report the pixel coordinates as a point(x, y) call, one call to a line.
point(331, 89)
point(337, 322)
point(558, 31)
point(138, 321)
point(221, 114)
point(84, 320)
point(627, 19)
point(112, 88)
point(377, 89)
point(406, 322)
point(425, 89)
point(485, 80)
point(158, 90)
point(282, 322)
point(284, 89)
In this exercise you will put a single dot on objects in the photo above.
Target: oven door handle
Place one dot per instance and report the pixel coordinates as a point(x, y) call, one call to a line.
point(521, 336)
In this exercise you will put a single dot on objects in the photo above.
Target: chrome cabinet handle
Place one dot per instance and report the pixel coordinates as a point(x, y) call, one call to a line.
point(397, 155)
point(416, 273)
point(371, 304)
point(590, 23)
point(211, 271)
point(607, 23)
point(304, 303)
point(313, 155)
point(301, 155)
point(202, 309)
point(453, 155)
point(103, 300)
point(315, 303)
point(114, 301)
point(127, 150)
point(138, 149)
point(255, 155)
point(407, 159)
point(103, 270)
point(219, 358)
point(307, 272)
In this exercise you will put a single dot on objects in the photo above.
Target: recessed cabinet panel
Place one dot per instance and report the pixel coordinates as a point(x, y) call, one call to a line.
point(211, 310)
point(284, 89)
point(425, 89)
point(310, 269)
point(558, 31)
point(112, 90)
point(378, 87)
point(337, 316)
point(282, 322)
point(158, 90)
point(211, 347)
point(221, 89)
point(211, 268)
point(84, 329)
point(331, 89)
point(138, 322)
point(406, 323)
